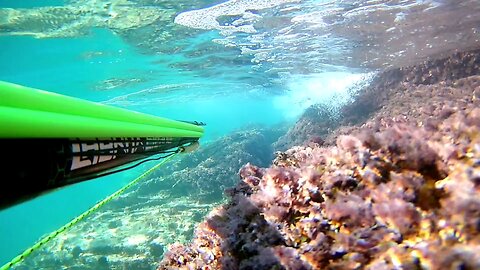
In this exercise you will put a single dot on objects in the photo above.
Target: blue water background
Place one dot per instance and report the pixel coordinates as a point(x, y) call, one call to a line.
point(30, 4)
point(59, 65)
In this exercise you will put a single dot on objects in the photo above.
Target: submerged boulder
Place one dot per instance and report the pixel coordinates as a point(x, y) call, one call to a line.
point(400, 190)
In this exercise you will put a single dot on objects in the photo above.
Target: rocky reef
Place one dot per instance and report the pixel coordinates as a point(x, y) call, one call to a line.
point(393, 93)
point(394, 188)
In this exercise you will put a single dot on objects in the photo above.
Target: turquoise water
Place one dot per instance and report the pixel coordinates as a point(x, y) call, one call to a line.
point(31, 4)
point(183, 66)
point(70, 66)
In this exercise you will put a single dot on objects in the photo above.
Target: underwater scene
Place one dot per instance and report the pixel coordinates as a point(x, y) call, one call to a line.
point(339, 134)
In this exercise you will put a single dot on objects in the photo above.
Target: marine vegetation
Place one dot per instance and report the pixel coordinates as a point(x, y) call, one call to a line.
point(399, 191)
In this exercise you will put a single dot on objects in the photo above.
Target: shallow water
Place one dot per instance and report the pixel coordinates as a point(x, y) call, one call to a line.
point(230, 64)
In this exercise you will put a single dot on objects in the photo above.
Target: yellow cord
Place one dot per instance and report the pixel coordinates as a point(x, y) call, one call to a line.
point(52, 235)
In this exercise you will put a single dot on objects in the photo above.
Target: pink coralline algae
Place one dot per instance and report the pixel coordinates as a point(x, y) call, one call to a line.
point(400, 193)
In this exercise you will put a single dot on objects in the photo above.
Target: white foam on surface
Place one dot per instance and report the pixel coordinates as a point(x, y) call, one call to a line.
point(206, 18)
point(330, 88)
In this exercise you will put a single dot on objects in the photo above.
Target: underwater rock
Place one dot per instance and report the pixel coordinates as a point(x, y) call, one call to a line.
point(78, 18)
point(378, 93)
point(395, 94)
point(400, 191)
point(314, 124)
point(211, 169)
